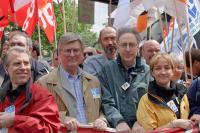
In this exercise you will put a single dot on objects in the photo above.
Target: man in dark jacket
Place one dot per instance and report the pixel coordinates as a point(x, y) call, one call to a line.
point(123, 83)
point(194, 90)
point(38, 69)
point(25, 106)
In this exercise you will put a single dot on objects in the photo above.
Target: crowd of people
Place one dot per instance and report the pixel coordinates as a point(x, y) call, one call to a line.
point(129, 86)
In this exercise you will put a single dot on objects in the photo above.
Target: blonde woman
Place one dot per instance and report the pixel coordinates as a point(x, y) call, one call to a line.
point(166, 104)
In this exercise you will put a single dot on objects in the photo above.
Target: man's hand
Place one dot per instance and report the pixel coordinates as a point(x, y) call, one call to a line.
point(137, 128)
point(195, 118)
point(123, 128)
point(71, 123)
point(99, 124)
point(6, 119)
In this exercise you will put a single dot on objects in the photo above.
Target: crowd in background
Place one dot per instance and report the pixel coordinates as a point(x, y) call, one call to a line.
point(129, 86)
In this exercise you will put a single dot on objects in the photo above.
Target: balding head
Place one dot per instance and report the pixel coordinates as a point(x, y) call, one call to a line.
point(107, 40)
point(149, 49)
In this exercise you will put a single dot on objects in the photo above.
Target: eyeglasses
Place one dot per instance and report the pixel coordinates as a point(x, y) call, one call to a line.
point(88, 54)
point(69, 51)
point(128, 45)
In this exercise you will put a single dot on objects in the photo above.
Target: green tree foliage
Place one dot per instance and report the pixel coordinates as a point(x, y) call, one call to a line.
point(72, 25)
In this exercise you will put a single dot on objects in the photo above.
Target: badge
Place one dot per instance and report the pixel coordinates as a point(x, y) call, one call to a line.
point(10, 109)
point(125, 86)
point(96, 92)
point(172, 106)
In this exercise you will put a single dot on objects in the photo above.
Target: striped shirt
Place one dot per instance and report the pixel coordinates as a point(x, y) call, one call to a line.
point(76, 84)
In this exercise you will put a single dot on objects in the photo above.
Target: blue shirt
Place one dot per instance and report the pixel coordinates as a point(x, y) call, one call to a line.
point(76, 84)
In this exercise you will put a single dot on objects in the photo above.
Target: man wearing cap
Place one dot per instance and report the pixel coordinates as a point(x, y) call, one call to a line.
point(77, 92)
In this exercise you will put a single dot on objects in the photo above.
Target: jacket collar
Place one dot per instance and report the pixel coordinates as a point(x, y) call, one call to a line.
point(137, 67)
point(179, 91)
point(6, 88)
point(54, 76)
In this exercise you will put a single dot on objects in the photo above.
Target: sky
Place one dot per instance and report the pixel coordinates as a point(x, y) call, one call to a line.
point(100, 17)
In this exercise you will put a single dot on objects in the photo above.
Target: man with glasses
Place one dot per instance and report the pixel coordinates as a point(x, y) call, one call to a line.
point(89, 51)
point(77, 92)
point(123, 82)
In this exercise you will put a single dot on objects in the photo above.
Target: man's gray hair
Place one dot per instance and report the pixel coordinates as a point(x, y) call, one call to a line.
point(131, 30)
point(29, 42)
point(70, 37)
point(17, 49)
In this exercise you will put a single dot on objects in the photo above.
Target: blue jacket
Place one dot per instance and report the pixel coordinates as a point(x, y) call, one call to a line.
point(194, 97)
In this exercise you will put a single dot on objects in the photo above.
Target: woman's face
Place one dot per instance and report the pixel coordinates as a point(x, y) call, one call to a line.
point(162, 72)
point(178, 70)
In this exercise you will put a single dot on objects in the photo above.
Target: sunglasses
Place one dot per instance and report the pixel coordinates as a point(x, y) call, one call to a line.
point(88, 54)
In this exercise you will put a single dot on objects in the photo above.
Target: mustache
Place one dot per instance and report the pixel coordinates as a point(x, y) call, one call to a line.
point(110, 49)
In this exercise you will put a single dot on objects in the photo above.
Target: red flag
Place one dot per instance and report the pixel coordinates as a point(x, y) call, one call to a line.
point(46, 18)
point(26, 16)
point(5, 13)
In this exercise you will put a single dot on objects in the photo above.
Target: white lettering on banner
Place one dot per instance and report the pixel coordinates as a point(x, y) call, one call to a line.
point(30, 13)
point(46, 12)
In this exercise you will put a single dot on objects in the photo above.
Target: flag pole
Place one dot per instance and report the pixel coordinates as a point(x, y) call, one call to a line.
point(189, 45)
point(161, 28)
point(64, 20)
point(55, 36)
point(39, 40)
point(172, 41)
point(182, 44)
point(74, 16)
point(109, 13)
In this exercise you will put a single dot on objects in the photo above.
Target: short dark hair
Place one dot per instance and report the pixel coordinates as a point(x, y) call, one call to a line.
point(131, 30)
point(36, 48)
point(195, 55)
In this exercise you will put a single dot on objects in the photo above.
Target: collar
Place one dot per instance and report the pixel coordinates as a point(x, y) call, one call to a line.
point(6, 91)
point(159, 95)
point(68, 75)
point(137, 67)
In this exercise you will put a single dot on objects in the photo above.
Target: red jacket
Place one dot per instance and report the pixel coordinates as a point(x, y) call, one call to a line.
point(39, 114)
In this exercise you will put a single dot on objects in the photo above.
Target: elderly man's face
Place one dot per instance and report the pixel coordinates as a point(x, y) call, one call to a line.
point(19, 68)
point(149, 50)
point(18, 40)
point(71, 55)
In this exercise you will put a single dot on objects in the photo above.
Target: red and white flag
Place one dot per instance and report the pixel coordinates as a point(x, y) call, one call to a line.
point(46, 18)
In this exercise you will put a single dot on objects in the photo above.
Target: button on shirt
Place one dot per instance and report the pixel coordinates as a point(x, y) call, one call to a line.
point(76, 84)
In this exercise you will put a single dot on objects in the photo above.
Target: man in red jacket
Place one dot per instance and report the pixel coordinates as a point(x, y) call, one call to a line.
point(25, 106)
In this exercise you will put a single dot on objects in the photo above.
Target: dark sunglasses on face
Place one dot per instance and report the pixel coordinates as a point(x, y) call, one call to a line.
point(88, 54)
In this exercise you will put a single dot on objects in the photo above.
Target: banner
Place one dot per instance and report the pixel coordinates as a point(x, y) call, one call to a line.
point(86, 12)
point(194, 25)
point(27, 17)
point(46, 18)
point(86, 129)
